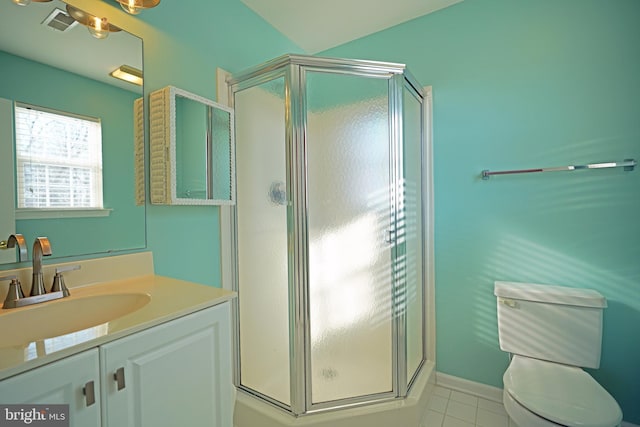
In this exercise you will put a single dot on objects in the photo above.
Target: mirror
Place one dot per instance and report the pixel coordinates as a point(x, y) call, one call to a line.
point(191, 144)
point(68, 71)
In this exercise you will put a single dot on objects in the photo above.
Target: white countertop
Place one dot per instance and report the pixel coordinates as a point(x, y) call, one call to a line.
point(168, 299)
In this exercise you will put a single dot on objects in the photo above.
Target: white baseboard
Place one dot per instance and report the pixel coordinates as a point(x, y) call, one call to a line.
point(481, 390)
point(469, 387)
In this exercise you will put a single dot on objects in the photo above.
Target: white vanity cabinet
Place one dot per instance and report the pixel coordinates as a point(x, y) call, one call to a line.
point(175, 374)
point(61, 382)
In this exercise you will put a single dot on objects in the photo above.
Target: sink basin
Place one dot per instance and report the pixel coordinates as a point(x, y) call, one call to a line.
point(60, 317)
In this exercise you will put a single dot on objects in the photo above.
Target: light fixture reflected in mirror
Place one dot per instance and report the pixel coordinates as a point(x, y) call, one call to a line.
point(134, 7)
point(128, 74)
point(98, 27)
point(26, 2)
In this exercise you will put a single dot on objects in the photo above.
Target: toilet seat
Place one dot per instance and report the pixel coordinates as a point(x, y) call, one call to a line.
point(522, 416)
point(565, 395)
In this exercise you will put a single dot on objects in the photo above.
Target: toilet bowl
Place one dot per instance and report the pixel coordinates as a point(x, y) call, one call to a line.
point(552, 332)
point(538, 393)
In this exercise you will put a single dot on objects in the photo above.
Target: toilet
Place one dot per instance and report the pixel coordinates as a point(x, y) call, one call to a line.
point(552, 332)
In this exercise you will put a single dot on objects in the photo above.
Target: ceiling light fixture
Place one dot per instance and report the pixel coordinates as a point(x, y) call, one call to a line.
point(134, 7)
point(128, 74)
point(98, 27)
point(26, 2)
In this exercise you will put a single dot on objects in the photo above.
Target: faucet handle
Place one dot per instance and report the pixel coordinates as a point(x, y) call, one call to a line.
point(66, 268)
point(15, 291)
point(58, 279)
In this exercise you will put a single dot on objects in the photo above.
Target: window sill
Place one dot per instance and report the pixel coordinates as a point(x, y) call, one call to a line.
point(61, 213)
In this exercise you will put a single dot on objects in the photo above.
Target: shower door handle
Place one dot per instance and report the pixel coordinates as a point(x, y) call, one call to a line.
point(389, 237)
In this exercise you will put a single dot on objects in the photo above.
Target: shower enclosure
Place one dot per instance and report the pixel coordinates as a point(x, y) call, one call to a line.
point(328, 236)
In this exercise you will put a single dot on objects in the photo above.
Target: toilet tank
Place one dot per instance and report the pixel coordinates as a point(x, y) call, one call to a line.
point(553, 323)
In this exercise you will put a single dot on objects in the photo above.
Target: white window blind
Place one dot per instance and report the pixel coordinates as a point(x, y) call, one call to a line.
point(58, 159)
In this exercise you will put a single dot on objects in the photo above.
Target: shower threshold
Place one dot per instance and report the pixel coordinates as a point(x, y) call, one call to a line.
point(251, 411)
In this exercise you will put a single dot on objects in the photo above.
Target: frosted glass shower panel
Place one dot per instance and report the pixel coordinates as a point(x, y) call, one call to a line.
point(262, 240)
point(410, 244)
point(348, 196)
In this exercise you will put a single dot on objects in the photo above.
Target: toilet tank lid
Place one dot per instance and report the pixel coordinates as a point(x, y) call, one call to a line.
point(550, 294)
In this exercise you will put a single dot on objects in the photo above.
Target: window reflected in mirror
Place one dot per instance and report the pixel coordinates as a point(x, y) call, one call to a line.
point(58, 159)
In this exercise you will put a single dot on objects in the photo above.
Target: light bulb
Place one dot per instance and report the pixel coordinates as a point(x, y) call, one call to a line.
point(22, 2)
point(99, 27)
point(131, 6)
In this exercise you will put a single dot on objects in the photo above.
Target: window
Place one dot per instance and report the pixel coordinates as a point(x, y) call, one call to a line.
point(58, 159)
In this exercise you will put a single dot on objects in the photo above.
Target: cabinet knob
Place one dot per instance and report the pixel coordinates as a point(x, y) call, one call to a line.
point(119, 377)
point(89, 393)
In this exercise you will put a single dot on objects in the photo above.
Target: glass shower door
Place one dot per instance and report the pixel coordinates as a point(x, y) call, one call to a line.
point(348, 191)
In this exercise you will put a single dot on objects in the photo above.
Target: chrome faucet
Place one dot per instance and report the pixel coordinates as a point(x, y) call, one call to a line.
point(41, 247)
point(12, 241)
point(15, 297)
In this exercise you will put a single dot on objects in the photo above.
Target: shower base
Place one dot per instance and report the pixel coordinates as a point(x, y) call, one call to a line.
point(252, 412)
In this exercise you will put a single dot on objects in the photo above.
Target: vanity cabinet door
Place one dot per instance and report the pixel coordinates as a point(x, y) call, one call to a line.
point(60, 382)
point(174, 374)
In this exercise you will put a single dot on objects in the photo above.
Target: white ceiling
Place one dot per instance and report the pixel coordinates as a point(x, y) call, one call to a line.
point(316, 25)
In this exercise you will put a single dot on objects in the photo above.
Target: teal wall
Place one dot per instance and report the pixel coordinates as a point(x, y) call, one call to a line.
point(520, 84)
point(50, 87)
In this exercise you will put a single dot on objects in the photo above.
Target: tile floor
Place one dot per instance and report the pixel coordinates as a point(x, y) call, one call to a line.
point(450, 408)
